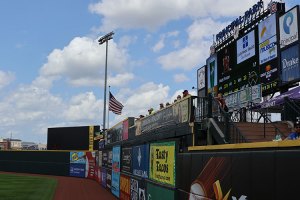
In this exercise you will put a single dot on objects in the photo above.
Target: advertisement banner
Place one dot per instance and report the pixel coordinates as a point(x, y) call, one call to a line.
point(103, 177)
point(100, 154)
point(212, 73)
point(126, 159)
point(125, 129)
point(108, 179)
point(124, 187)
point(245, 47)
point(163, 162)
point(134, 189)
point(109, 159)
point(288, 27)
point(177, 113)
point(201, 78)
point(269, 74)
point(77, 157)
point(77, 170)
point(157, 192)
point(104, 158)
point(140, 160)
point(90, 165)
point(115, 185)
point(290, 71)
point(97, 176)
point(137, 189)
point(267, 39)
point(101, 144)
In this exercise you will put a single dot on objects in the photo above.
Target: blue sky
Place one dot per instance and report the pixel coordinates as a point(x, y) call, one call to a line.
point(52, 68)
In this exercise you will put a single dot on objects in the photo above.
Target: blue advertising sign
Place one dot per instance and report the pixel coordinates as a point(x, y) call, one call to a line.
point(115, 183)
point(290, 70)
point(140, 160)
point(103, 177)
point(77, 170)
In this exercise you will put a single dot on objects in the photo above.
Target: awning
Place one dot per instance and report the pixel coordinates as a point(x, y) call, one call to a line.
point(276, 103)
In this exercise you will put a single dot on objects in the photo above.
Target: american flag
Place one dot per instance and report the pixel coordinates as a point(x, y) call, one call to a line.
point(114, 105)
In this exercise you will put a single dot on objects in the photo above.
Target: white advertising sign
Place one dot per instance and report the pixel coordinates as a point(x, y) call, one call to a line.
point(201, 78)
point(267, 28)
point(288, 25)
point(245, 47)
point(267, 50)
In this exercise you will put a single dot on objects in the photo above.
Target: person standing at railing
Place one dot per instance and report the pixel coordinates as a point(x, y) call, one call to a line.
point(222, 102)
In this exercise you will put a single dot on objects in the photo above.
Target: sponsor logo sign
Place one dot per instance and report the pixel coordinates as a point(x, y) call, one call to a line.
point(103, 177)
point(212, 74)
point(201, 78)
point(77, 157)
point(91, 138)
point(267, 39)
point(108, 179)
point(140, 160)
point(77, 170)
point(288, 25)
point(157, 192)
point(245, 47)
point(124, 187)
point(115, 185)
point(162, 162)
point(290, 64)
point(126, 159)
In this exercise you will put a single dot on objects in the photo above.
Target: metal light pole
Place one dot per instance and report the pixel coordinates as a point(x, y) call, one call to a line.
point(101, 41)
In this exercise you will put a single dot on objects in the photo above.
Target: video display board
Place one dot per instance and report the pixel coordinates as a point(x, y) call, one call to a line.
point(238, 64)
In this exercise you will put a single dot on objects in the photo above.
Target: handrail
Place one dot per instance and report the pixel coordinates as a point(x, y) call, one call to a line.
point(267, 119)
point(232, 132)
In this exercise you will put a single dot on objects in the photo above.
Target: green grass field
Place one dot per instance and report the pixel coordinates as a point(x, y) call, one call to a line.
point(18, 187)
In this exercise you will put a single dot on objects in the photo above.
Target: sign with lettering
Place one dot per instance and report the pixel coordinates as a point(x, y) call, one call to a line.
point(177, 113)
point(91, 138)
point(124, 187)
point(288, 27)
point(77, 157)
point(109, 159)
point(241, 21)
point(269, 73)
point(201, 78)
point(103, 177)
point(290, 71)
point(267, 39)
point(115, 184)
point(108, 179)
point(104, 158)
point(162, 162)
point(134, 189)
point(140, 160)
point(77, 170)
point(126, 159)
point(245, 47)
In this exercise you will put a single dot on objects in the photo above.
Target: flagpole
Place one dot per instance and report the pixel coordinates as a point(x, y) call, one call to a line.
point(102, 40)
point(108, 109)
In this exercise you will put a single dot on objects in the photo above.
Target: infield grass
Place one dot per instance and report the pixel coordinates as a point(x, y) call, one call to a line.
point(19, 187)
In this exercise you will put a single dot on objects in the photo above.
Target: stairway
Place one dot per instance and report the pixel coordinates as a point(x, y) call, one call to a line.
point(254, 132)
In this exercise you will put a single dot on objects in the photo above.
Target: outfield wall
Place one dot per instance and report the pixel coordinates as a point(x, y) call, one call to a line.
point(158, 171)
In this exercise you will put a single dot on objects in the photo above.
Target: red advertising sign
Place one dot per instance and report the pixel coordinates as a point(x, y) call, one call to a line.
point(90, 164)
point(125, 130)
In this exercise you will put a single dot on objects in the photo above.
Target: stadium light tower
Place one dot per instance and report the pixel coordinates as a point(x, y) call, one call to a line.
point(105, 39)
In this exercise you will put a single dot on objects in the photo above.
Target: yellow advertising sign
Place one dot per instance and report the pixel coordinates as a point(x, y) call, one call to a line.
point(91, 138)
point(162, 162)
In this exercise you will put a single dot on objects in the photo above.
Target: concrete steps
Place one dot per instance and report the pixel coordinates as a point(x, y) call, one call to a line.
point(259, 132)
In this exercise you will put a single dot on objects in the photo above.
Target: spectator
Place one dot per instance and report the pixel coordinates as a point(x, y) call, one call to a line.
point(178, 97)
point(296, 132)
point(150, 111)
point(185, 93)
point(161, 106)
point(142, 116)
point(222, 102)
point(167, 104)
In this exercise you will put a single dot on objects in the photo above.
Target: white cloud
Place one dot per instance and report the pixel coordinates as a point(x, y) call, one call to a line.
point(197, 49)
point(83, 108)
point(179, 78)
point(80, 63)
point(127, 40)
point(159, 45)
point(6, 78)
point(155, 13)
